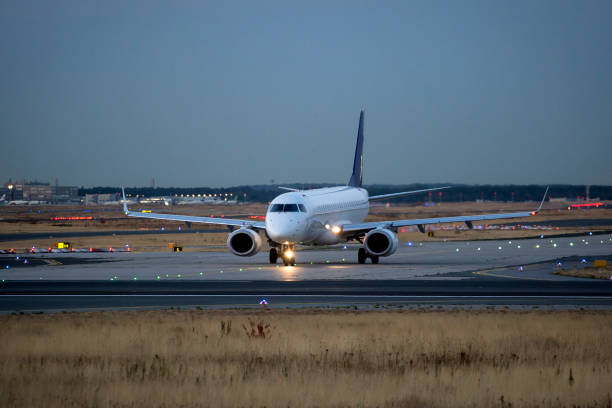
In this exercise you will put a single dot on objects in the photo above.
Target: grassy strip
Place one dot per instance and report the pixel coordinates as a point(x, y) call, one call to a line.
point(587, 272)
point(300, 358)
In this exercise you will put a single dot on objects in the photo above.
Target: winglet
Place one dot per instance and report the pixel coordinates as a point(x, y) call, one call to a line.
point(125, 209)
point(542, 202)
point(543, 198)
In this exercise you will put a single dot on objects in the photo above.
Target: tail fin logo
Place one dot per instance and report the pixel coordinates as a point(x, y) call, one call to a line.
point(357, 176)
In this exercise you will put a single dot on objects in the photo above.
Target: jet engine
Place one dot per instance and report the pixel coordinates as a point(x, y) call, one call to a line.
point(380, 242)
point(244, 242)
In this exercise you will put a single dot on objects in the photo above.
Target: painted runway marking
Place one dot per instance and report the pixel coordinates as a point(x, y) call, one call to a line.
point(327, 296)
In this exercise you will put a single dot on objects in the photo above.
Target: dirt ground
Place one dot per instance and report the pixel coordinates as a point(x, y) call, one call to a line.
point(56, 219)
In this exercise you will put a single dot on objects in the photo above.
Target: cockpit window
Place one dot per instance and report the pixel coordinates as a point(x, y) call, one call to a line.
point(291, 208)
point(287, 208)
point(276, 208)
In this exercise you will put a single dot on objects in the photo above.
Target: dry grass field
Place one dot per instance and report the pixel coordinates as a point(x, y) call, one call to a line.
point(305, 358)
point(588, 272)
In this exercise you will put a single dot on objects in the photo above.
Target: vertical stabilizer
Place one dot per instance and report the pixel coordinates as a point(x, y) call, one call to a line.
point(357, 175)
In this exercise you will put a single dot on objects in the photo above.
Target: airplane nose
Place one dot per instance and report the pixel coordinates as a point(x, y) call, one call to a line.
point(284, 229)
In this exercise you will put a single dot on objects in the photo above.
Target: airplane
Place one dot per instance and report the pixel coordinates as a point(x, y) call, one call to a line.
point(21, 202)
point(324, 216)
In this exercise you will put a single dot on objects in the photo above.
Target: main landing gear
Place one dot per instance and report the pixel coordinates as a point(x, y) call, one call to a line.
point(362, 256)
point(286, 253)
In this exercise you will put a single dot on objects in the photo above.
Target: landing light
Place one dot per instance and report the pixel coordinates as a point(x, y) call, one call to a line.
point(336, 229)
point(289, 254)
point(327, 226)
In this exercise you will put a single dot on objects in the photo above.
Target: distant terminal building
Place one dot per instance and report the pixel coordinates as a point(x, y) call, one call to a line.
point(38, 191)
point(156, 200)
point(94, 199)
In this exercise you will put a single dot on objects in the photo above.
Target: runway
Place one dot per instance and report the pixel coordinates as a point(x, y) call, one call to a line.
point(430, 274)
point(479, 291)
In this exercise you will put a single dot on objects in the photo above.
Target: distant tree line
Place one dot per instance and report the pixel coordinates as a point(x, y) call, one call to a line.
point(457, 192)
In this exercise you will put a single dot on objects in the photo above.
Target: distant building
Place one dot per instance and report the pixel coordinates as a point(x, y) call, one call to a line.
point(37, 191)
point(66, 193)
point(101, 199)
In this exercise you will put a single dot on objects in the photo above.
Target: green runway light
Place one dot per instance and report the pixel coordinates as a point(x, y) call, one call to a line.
point(220, 271)
point(518, 246)
point(478, 249)
point(178, 276)
point(343, 259)
point(158, 277)
point(240, 269)
point(201, 273)
point(327, 261)
point(571, 244)
point(499, 247)
point(259, 269)
point(135, 278)
point(457, 250)
point(537, 246)
point(554, 245)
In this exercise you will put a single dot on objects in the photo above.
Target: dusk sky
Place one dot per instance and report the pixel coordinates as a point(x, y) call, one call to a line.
point(231, 93)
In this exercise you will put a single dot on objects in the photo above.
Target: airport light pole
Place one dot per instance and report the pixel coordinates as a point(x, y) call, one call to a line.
point(10, 187)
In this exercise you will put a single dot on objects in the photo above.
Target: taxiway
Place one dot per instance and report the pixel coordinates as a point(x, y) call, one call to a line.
point(466, 273)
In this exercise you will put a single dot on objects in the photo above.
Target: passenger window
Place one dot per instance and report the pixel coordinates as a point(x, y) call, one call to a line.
point(291, 208)
point(277, 208)
point(302, 207)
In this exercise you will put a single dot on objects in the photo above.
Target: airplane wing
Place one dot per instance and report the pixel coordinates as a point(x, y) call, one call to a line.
point(192, 219)
point(357, 229)
point(404, 193)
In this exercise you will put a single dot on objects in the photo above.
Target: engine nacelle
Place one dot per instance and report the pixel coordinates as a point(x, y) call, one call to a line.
point(244, 242)
point(380, 242)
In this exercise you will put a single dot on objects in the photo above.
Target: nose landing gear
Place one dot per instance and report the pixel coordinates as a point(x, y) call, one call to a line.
point(273, 255)
point(362, 256)
point(286, 253)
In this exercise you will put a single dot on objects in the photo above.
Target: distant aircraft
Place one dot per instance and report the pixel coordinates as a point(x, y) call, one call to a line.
point(323, 216)
point(21, 202)
point(18, 202)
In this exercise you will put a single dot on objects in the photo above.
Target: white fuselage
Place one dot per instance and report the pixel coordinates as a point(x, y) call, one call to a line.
point(309, 217)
